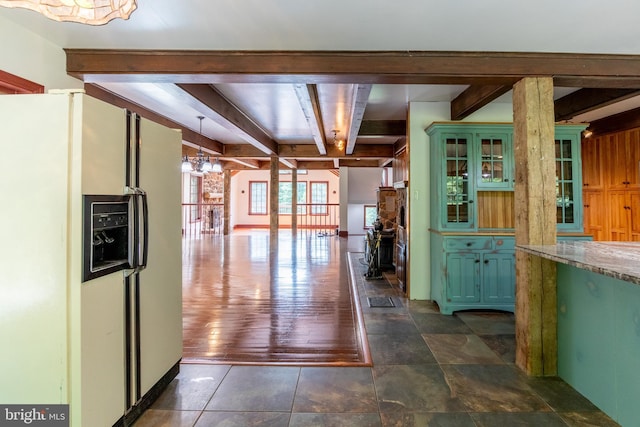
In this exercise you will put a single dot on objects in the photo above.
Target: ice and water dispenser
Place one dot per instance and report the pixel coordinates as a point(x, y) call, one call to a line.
point(106, 235)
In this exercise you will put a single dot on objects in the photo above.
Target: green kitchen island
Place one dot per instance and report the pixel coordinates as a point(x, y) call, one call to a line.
point(598, 286)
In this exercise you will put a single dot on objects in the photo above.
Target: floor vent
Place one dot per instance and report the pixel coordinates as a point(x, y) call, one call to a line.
point(380, 302)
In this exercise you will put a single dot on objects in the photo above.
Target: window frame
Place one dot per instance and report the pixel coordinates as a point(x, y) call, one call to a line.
point(264, 196)
point(302, 210)
point(319, 210)
point(375, 209)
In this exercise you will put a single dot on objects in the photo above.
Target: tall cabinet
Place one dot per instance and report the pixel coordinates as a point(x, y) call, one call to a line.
point(472, 214)
point(611, 170)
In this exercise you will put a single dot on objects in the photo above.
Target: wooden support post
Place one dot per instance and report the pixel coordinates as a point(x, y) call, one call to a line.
point(535, 223)
point(227, 201)
point(273, 200)
point(294, 202)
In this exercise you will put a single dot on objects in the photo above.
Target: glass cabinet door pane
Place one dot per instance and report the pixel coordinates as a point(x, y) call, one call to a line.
point(564, 182)
point(492, 160)
point(457, 180)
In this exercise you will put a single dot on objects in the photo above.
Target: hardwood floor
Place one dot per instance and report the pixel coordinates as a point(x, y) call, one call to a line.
point(247, 300)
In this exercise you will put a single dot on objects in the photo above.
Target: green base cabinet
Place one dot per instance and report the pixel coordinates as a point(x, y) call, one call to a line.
point(474, 272)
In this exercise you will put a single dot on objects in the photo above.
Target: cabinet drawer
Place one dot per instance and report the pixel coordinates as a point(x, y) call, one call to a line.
point(472, 243)
point(504, 243)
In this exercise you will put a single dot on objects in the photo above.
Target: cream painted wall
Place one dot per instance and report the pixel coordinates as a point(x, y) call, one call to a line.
point(34, 58)
point(361, 191)
point(240, 201)
point(421, 115)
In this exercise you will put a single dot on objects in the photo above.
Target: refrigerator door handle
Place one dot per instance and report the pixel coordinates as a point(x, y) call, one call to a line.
point(144, 231)
point(138, 230)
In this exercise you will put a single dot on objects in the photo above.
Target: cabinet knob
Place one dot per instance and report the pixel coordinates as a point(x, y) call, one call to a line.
point(486, 261)
point(468, 243)
point(477, 261)
point(470, 201)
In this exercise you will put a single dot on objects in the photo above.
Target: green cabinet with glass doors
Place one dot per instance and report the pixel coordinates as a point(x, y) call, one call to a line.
point(473, 266)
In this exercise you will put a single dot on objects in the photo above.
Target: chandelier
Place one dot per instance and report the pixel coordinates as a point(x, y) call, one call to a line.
point(90, 12)
point(200, 163)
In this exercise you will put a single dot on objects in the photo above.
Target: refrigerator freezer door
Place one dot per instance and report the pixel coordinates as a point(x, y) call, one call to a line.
point(103, 130)
point(161, 281)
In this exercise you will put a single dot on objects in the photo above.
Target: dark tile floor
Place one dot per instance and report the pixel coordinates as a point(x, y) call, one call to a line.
point(429, 370)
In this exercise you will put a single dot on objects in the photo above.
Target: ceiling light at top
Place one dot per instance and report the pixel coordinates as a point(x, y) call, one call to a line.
point(90, 12)
point(337, 142)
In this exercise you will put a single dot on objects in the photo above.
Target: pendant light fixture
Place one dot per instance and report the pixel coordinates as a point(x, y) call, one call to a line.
point(200, 163)
point(89, 12)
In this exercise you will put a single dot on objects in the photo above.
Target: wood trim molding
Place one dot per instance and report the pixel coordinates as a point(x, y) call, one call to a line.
point(12, 84)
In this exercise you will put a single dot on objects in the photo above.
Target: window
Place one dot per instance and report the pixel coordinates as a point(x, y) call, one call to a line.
point(319, 198)
point(257, 197)
point(195, 186)
point(370, 215)
point(285, 195)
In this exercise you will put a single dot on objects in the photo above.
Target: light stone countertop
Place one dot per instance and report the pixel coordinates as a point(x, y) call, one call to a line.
point(620, 260)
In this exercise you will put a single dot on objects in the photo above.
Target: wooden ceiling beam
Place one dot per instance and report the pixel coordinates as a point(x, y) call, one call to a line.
point(308, 98)
point(617, 122)
point(383, 128)
point(362, 163)
point(589, 99)
point(474, 98)
point(361, 150)
point(363, 67)
point(215, 106)
point(359, 103)
point(316, 165)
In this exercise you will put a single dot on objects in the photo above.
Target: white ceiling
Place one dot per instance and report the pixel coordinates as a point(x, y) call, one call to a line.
point(585, 26)
point(569, 26)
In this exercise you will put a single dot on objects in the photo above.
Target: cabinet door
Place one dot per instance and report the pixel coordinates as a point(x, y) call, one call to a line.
point(592, 163)
point(494, 154)
point(463, 277)
point(459, 212)
point(498, 277)
point(633, 202)
point(618, 216)
point(595, 214)
point(568, 182)
point(633, 158)
point(616, 160)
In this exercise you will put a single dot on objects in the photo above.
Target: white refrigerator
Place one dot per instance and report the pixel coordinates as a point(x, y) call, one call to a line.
point(105, 346)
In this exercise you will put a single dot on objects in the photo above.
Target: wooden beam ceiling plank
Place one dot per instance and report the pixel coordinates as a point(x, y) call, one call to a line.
point(383, 128)
point(308, 98)
point(589, 99)
point(474, 98)
point(187, 134)
point(360, 97)
point(226, 114)
point(290, 163)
